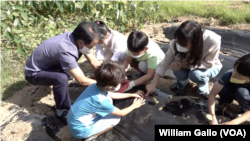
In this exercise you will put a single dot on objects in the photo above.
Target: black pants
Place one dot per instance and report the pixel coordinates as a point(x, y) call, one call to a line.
point(59, 80)
point(241, 95)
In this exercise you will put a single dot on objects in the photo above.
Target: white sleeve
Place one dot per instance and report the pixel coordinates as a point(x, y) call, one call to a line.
point(116, 53)
point(99, 52)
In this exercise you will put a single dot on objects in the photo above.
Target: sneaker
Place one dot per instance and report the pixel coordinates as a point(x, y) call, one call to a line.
point(63, 117)
point(174, 87)
point(91, 138)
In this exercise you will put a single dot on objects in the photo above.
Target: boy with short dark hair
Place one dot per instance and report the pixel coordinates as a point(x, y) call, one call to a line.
point(234, 84)
point(144, 55)
point(93, 112)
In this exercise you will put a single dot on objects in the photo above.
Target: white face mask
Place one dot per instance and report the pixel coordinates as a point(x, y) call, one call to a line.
point(138, 55)
point(116, 89)
point(85, 50)
point(181, 49)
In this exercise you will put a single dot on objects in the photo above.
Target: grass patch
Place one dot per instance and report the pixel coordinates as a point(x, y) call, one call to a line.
point(228, 12)
point(12, 75)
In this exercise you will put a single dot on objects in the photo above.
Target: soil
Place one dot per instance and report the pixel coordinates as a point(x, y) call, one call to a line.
point(40, 100)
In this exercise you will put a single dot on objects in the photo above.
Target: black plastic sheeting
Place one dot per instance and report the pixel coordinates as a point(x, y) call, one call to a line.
point(180, 110)
point(185, 110)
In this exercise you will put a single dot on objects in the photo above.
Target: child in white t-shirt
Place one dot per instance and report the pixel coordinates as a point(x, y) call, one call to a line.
point(112, 45)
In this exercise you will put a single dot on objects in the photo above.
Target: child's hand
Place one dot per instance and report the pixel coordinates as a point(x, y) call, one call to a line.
point(214, 121)
point(150, 89)
point(176, 66)
point(138, 102)
point(139, 94)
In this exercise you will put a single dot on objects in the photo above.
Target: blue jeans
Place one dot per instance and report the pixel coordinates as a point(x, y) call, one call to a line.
point(199, 76)
point(231, 92)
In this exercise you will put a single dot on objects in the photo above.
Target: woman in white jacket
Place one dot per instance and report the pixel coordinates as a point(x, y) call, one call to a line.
point(112, 46)
point(193, 54)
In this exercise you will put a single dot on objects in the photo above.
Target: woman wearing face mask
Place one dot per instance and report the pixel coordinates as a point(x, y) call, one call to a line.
point(193, 54)
point(112, 45)
point(233, 85)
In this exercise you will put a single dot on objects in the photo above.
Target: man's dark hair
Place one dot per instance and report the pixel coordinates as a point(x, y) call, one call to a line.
point(190, 31)
point(103, 29)
point(87, 32)
point(110, 73)
point(137, 41)
point(242, 65)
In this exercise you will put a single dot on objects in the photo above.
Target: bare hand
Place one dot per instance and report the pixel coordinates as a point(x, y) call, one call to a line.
point(138, 102)
point(214, 121)
point(100, 61)
point(139, 94)
point(176, 66)
point(150, 89)
point(229, 123)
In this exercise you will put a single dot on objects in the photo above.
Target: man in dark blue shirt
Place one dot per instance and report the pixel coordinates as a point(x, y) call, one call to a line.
point(55, 59)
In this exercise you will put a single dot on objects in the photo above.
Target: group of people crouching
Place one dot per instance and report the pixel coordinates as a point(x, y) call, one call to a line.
point(193, 55)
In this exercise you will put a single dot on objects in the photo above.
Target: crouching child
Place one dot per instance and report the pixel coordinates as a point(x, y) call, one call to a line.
point(93, 112)
point(233, 85)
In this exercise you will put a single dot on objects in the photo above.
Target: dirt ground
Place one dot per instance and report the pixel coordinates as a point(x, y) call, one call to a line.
point(40, 100)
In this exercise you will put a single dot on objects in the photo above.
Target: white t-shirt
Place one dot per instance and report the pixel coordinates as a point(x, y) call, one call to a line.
point(118, 46)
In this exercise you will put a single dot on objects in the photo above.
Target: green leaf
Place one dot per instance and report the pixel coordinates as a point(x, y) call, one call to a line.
point(9, 35)
point(15, 14)
point(33, 4)
point(18, 31)
point(141, 4)
point(17, 41)
point(141, 25)
point(51, 6)
point(19, 8)
point(4, 25)
point(85, 8)
point(123, 28)
point(124, 16)
point(16, 22)
point(26, 2)
point(46, 4)
point(3, 16)
point(59, 6)
point(5, 49)
point(66, 3)
point(169, 9)
point(79, 5)
point(20, 51)
point(24, 16)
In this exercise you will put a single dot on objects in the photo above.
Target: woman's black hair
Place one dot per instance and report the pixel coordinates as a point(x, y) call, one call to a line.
point(242, 65)
point(190, 31)
point(103, 29)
